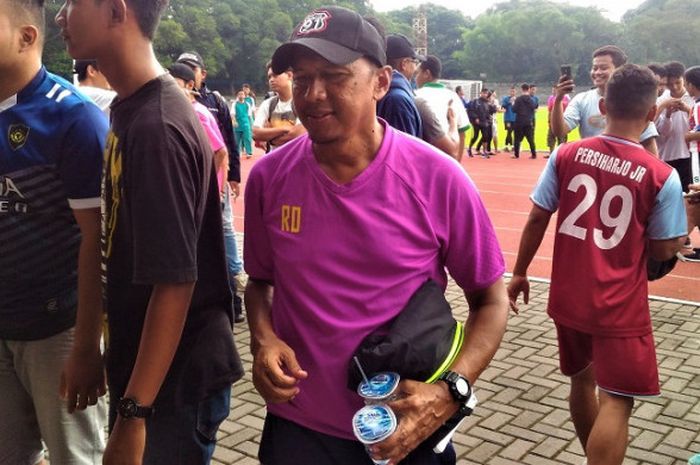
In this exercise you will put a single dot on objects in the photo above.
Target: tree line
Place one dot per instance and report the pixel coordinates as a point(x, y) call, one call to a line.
point(514, 41)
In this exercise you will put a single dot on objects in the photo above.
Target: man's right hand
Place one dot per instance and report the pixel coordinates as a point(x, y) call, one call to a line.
point(565, 86)
point(517, 285)
point(276, 372)
point(82, 379)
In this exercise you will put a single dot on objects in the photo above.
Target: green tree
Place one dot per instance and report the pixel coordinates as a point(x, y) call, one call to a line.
point(445, 29)
point(528, 40)
point(662, 30)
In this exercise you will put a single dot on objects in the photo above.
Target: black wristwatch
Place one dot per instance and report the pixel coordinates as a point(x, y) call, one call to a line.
point(129, 408)
point(461, 391)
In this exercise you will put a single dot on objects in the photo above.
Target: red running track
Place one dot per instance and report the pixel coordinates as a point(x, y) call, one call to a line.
point(505, 185)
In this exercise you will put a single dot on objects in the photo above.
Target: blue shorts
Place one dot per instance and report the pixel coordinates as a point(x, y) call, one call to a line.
point(184, 434)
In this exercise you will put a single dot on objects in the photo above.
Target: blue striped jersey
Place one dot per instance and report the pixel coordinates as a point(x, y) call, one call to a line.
point(51, 143)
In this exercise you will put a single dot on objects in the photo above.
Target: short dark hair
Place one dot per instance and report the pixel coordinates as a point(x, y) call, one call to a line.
point(432, 64)
point(245, 85)
point(525, 87)
point(692, 75)
point(674, 69)
point(29, 10)
point(619, 57)
point(81, 68)
point(658, 69)
point(630, 92)
point(148, 13)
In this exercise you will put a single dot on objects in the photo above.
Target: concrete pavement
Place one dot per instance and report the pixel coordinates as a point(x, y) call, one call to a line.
point(522, 417)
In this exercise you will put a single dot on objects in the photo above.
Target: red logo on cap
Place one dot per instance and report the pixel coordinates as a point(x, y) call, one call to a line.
point(317, 21)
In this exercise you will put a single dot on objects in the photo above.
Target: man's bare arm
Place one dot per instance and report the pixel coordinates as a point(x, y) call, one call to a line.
point(267, 134)
point(559, 127)
point(83, 379)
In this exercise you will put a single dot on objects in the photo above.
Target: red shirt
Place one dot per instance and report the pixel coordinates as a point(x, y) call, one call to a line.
point(608, 188)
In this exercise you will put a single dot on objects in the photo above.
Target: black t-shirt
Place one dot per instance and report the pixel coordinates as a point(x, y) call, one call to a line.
point(162, 224)
point(524, 109)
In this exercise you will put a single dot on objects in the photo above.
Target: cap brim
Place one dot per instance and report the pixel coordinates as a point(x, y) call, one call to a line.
point(192, 63)
point(284, 56)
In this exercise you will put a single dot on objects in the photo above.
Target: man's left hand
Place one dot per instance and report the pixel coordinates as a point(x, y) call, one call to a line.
point(127, 442)
point(235, 189)
point(421, 409)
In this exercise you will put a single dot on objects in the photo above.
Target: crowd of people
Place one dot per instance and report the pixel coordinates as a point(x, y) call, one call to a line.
point(131, 218)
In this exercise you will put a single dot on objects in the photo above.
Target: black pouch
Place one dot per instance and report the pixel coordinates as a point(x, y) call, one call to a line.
point(423, 340)
point(658, 269)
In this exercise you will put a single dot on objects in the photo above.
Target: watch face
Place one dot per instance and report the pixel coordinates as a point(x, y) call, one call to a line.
point(127, 408)
point(462, 386)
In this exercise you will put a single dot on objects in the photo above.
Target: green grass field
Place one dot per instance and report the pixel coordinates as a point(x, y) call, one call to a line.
point(540, 132)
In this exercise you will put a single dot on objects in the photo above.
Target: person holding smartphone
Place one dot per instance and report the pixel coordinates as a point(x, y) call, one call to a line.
point(583, 110)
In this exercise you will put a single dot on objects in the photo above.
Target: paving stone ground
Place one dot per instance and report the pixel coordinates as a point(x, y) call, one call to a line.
point(522, 417)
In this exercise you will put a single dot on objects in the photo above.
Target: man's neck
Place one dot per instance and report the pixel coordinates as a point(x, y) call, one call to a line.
point(14, 80)
point(285, 94)
point(630, 130)
point(130, 66)
point(344, 160)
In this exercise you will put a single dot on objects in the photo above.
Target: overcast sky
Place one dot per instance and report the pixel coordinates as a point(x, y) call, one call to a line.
point(611, 9)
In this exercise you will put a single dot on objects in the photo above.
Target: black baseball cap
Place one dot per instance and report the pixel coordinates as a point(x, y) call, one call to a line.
point(191, 59)
point(339, 35)
point(398, 46)
point(181, 71)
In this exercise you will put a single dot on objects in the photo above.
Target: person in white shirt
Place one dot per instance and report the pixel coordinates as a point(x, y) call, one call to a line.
point(275, 120)
point(673, 120)
point(583, 110)
point(94, 84)
point(441, 99)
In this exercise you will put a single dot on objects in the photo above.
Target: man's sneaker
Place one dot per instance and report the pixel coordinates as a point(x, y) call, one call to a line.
point(691, 257)
point(469, 152)
point(238, 309)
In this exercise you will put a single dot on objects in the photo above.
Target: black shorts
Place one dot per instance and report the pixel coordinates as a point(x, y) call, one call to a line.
point(682, 166)
point(286, 443)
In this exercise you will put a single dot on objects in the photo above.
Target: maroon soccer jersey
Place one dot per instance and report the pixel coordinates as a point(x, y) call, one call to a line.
point(608, 194)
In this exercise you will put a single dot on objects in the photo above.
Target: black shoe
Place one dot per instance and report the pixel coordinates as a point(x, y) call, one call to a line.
point(238, 309)
point(469, 152)
point(532, 157)
point(692, 257)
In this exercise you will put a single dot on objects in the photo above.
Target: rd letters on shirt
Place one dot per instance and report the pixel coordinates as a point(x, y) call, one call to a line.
point(291, 219)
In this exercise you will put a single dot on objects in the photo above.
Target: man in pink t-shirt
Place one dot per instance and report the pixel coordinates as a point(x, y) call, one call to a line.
point(342, 226)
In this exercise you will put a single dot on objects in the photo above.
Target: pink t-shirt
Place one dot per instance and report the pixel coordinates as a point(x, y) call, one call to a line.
point(214, 136)
point(344, 259)
point(564, 102)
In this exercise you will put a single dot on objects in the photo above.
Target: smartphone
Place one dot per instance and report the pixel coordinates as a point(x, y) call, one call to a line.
point(565, 70)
